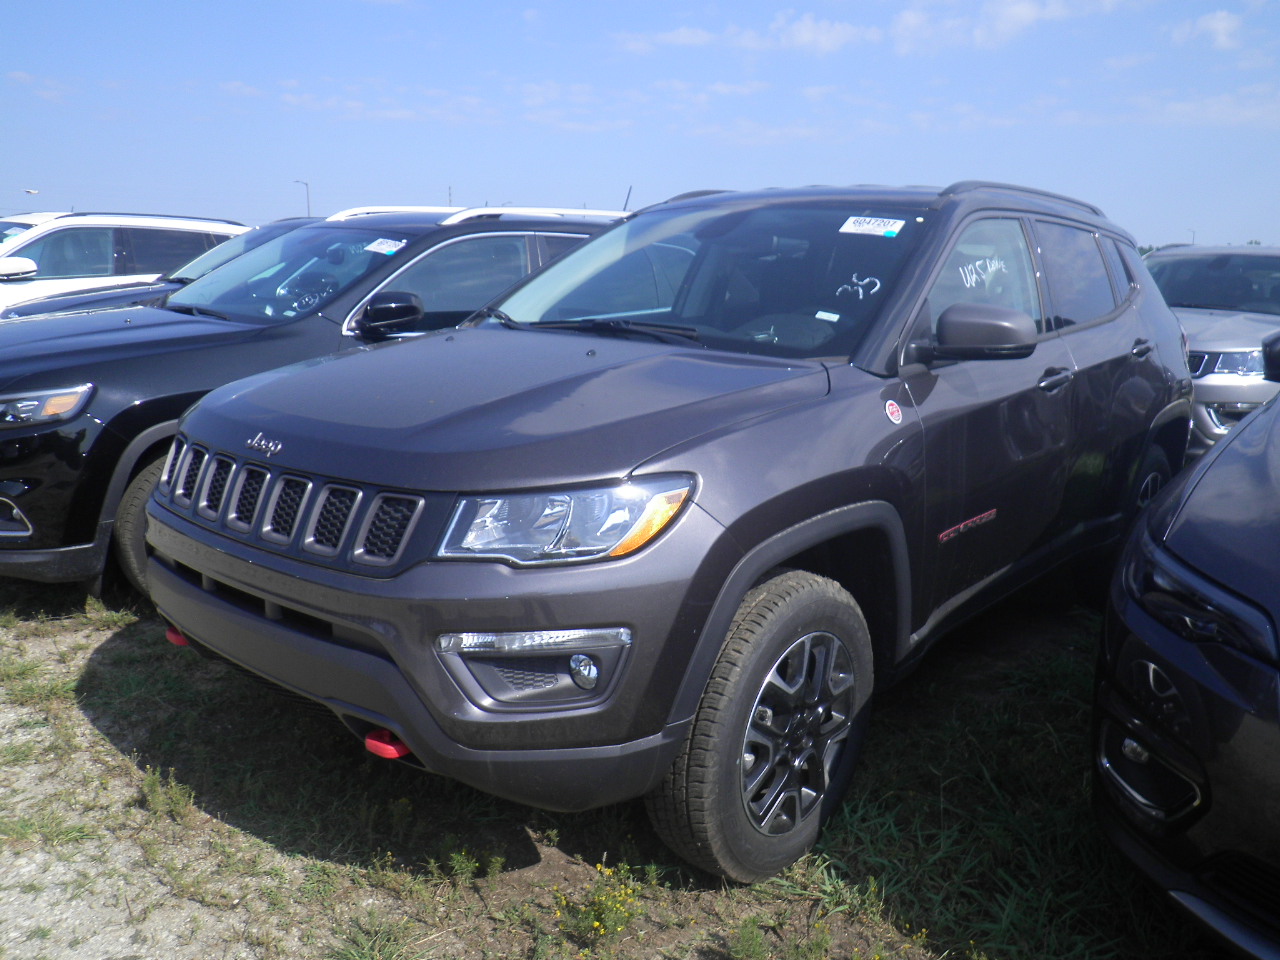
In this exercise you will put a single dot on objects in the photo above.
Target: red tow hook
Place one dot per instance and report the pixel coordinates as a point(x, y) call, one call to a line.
point(385, 744)
point(176, 637)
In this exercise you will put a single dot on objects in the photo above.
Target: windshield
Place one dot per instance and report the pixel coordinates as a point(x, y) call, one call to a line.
point(294, 274)
point(10, 230)
point(795, 280)
point(1246, 282)
point(234, 247)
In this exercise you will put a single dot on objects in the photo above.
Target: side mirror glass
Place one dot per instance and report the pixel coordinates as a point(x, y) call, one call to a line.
point(974, 331)
point(15, 268)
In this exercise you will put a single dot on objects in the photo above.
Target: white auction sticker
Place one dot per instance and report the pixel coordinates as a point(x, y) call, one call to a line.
point(873, 226)
point(893, 411)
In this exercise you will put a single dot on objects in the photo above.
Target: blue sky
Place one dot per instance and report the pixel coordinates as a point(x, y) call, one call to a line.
point(1164, 113)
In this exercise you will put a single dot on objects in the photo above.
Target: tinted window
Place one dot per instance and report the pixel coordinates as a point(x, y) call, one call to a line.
point(466, 273)
point(72, 252)
point(159, 251)
point(555, 244)
point(989, 264)
point(1079, 285)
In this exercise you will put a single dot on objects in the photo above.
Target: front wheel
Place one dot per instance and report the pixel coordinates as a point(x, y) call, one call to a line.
point(776, 734)
point(130, 536)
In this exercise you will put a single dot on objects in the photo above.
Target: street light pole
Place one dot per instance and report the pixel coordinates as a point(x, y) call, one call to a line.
point(306, 186)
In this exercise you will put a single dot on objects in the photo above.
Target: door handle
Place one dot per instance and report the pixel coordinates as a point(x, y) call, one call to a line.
point(1054, 379)
point(1141, 347)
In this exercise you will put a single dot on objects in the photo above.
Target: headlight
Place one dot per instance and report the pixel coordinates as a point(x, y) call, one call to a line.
point(1193, 607)
point(564, 525)
point(1241, 363)
point(43, 406)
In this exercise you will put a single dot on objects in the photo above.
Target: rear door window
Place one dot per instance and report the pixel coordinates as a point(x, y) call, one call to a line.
point(1079, 285)
point(151, 250)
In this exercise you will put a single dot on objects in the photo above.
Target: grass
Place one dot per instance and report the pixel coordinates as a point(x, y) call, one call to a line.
point(967, 834)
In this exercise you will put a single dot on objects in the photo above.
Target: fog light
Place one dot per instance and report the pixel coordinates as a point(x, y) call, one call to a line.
point(584, 671)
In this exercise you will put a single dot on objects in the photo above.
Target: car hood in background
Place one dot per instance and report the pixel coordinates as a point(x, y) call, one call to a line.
point(464, 409)
point(1212, 331)
point(65, 341)
point(1228, 524)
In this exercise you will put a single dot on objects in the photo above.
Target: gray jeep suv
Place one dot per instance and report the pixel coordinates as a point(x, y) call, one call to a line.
point(659, 520)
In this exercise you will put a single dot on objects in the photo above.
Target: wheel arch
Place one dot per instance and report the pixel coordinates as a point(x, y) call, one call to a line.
point(141, 450)
point(862, 546)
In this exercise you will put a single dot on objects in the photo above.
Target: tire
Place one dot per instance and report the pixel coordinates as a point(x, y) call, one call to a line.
point(1153, 473)
point(776, 734)
point(130, 536)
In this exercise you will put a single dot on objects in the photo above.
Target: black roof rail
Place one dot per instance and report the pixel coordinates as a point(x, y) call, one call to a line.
point(964, 186)
point(158, 216)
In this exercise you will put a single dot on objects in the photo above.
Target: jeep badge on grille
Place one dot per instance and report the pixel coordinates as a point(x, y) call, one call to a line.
point(263, 445)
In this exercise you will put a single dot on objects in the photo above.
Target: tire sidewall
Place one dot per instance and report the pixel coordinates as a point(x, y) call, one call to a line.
point(816, 609)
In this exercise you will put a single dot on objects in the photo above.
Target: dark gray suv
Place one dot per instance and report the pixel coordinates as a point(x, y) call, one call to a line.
point(659, 520)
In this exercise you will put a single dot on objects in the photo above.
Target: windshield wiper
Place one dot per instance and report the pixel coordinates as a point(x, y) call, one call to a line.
point(198, 312)
point(493, 313)
point(619, 327)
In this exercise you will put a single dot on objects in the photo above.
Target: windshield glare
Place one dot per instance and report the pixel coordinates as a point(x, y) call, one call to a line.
point(294, 274)
point(801, 280)
point(1227, 281)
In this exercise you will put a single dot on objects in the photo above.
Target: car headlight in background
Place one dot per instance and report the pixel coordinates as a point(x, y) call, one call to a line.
point(1240, 363)
point(565, 525)
point(43, 406)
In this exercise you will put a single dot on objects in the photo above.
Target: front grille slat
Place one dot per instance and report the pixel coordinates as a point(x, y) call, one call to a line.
point(316, 518)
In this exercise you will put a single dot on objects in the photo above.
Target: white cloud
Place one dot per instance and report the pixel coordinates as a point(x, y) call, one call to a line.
point(1256, 106)
point(239, 88)
point(932, 24)
point(786, 32)
point(1220, 27)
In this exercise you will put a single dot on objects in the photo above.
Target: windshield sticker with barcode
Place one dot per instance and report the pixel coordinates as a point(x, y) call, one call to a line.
point(384, 246)
point(873, 226)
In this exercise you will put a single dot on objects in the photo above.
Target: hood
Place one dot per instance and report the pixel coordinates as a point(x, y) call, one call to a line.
point(488, 409)
point(1211, 331)
point(62, 341)
point(1228, 523)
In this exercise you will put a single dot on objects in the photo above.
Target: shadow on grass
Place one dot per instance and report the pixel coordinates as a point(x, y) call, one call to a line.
point(287, 772)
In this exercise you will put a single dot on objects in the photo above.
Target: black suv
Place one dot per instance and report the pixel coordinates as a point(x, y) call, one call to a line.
point(657, 521)
point(90, 401)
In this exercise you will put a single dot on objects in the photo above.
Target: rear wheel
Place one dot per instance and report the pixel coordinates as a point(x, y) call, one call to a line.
point(777, 732)
point(130, 536)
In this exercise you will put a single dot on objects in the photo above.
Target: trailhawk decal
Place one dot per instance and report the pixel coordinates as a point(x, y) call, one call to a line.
point(968, 525)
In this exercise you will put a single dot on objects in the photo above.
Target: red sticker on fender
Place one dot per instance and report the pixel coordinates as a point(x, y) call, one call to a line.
point(893, 411)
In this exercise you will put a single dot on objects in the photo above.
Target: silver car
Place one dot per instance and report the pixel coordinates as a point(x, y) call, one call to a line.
point(1228, 301)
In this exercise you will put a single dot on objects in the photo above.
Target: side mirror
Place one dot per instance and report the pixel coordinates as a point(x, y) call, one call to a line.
point(386, 311)
point(1271, 358)
point(15, 268)
point(976, 331)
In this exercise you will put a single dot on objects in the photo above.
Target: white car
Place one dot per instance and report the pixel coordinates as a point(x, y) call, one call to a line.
point(48, 253)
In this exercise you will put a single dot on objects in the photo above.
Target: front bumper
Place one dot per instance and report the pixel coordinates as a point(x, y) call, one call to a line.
point(365, 648)
point(1220, 401)
point(1188, 773)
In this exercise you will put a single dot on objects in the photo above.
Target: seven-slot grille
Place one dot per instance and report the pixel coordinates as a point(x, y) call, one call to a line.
point(326, 518)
